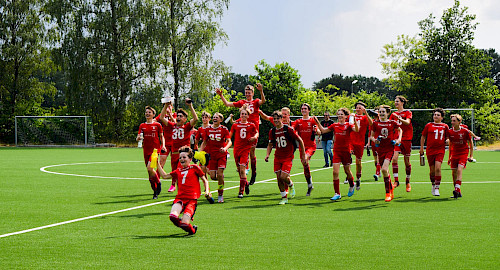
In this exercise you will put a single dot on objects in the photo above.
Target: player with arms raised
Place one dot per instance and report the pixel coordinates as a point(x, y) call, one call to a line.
point(253, 107)
point(435, 133)
point(152, 134)
point(284, 139)
point(403, 117)
point(216, 141)
point(180, 134)
point(358, 138)
point(245, 134)
point(205, 119)
point(384, 135)
point(188, 180)
point(341, 151)
point(461, 146)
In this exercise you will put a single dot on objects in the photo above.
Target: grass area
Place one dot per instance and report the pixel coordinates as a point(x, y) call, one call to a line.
point(416, 230)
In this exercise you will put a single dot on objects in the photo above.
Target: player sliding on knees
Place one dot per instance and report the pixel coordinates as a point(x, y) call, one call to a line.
point(245, 135)
point(216, 141)
point(253, 107)
point(384, 136)
point(341, 152)
point(435, 133)
point(284, 139)
point(461, 145)
point(307, 129)
point(180, 134)
point(152, 135)
point(188, 178)
point(403, 117)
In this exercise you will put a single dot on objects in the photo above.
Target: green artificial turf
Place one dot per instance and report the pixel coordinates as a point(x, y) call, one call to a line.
point(414, 231)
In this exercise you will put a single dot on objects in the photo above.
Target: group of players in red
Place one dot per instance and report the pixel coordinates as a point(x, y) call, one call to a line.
point(389, 135)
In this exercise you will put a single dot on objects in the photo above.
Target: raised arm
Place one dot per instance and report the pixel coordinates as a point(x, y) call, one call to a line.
point(320, 127)
point(265, 116)
point(195, 118)
point(370, 120)
point(224, 100)
point(356, 127)
point(262, 97)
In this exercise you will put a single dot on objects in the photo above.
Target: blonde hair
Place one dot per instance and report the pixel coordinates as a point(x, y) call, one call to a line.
point(245, 108)
point(206, 113)
point(150, 108)
point(386, 107)
point(218, 114)
point(458, 116)
point(345, 111)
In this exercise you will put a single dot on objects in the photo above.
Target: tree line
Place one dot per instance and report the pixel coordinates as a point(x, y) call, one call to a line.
point(110, 58)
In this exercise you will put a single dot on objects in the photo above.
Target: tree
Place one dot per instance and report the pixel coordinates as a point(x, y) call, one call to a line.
point(24, 60)
point(235, 81)
point(189, 32)
point(495, 65)
point(345, 83)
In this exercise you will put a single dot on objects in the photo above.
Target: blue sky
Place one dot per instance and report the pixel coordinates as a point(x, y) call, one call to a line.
point(321, 37)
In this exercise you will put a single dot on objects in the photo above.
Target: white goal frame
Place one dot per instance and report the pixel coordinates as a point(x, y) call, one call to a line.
point(87, 141)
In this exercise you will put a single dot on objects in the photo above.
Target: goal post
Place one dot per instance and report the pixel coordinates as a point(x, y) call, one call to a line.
point(54, 131)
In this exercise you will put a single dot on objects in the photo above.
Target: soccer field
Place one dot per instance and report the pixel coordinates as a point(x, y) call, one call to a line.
point(93, 208)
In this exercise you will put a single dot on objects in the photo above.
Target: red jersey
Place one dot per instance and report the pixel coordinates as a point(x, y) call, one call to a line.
point(306, 130)
point(458, 141)
point(188, 182)
point(342, 133)
point(387, 130)
point(200, 132)
point(215, 138)
point(253, 107)
point(167, 132)
point(284, 144)
point(407, 129)
point(180, 135)
point(242, 133)
point(274, 124)
point(436, 135)
point(358, 138)
point(151, 133)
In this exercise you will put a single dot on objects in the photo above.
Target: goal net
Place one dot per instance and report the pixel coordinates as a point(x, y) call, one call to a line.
point(52, 131)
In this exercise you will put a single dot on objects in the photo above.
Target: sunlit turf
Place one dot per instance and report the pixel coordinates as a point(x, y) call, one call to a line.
point(416, 230)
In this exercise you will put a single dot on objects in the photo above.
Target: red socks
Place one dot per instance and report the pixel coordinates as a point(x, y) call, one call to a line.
point(175, 220)
point(408, 173)
point(243, 183)
point(253, 164)
point(336, 185)
point(307, 173)
point(388, 184)
point(395, 171)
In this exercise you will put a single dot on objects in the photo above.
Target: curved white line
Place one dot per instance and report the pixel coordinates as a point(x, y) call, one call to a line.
point(44, 169)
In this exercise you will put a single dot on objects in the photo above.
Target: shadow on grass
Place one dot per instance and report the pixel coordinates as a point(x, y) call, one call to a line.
point(175, 235)
point(423, 199)
point(143, 215)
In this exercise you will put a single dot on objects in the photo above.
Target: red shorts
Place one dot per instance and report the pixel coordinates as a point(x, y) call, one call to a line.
point(217, 161)
point(147, 158)
point(432, 159)
point(374, 148)
point(357, 150)
point(241, 157)
point(458, 160)
point(404, 148)
point(385, 156)
point(174, 161)
point(188, 206)
point(283, 165)
point(343, 157)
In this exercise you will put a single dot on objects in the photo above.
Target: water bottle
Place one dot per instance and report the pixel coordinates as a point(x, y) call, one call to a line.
point(394, 143)
point(154, 159)
point(351, 119)
point(139, 143)
point(422, 160)
point(379, 140)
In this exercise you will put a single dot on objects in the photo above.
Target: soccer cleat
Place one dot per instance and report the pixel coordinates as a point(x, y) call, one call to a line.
point(351, 192)
point(155, 197)
point(240, 195)
point(283, 201)
point(392, 193)
point(195, 230)
point(358, 184)
point(252, 179)
point(433, 190)
point(375, 177)
point(292, 192)
point(309, 189)
point(408, 187)
point(326, 165)
point(247, 189)
point(171, 189)
point(220, 199)
point(158, 188)
point(336, 197)
point(346, 181)
point(396, 184)
point(455, 194)
point(210, 200)
point(436, 192)
point(388, 197)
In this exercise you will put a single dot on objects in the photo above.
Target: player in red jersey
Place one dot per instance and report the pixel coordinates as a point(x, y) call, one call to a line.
point(341, 151)
point(180, 131)
point(285, 111)
point(253, 107)
point(188, 180)
point(205, 119)
point(358, 138)
point(216, 141)
point(284, 139)
point(435, 133)
point(403, 117)
point(245, 134)
point(461, 146)
point(152, 134)
point(474, 137)
point(386, 133)
point(372, 145)
point(307, 129)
